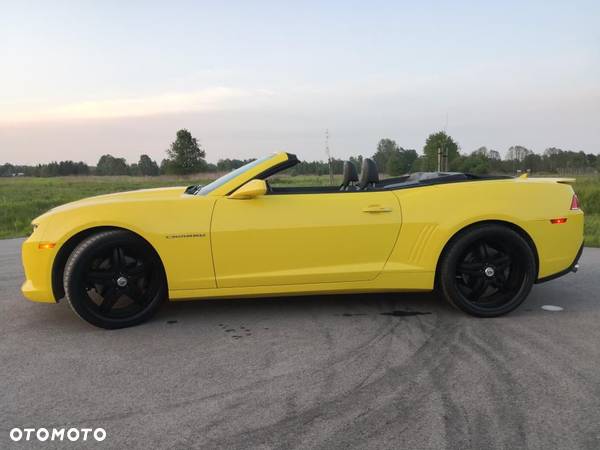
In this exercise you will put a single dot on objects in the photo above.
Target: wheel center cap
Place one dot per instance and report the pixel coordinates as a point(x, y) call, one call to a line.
point(489, 271)
point(122, 281)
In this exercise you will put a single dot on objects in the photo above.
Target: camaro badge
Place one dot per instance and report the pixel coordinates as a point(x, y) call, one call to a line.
point(189, 235)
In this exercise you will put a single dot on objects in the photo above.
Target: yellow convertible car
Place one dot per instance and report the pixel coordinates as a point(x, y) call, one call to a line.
point(481, 242)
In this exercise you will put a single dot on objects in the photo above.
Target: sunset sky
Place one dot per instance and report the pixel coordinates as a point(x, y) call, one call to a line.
point(79, 79)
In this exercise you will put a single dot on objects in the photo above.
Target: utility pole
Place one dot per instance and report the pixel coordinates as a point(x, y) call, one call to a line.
point(445, 157)
point(442, 165)
point(329, 159)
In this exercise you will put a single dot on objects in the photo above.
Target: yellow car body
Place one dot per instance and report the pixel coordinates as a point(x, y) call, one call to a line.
point(225, 245)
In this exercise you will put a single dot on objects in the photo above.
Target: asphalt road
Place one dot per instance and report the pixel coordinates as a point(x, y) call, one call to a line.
point(310, 372)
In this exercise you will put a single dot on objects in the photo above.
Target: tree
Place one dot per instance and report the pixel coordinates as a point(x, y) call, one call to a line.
point(385, 149)
point(433, 144)
point(357, 161)
point(409, 159)
point(532, 162)
point(488, 153)
point(517, 153)
point(109, 165)
point(227, 165)
point(185, 155)
point(482, 151)
point(494, 154)
point(7, 170)
point(147, 167)
point(395, 165)
point(392, 159)
point(477, 162)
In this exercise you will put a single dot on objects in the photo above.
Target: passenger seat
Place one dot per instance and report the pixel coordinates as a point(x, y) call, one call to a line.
point(350, 177)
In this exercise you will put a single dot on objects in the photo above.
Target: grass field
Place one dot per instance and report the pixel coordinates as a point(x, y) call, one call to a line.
point(588, 191)
point(22, 199)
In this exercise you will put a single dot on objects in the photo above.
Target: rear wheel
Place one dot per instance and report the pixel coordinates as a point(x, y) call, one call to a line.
point(487, 271)
point(114, 279)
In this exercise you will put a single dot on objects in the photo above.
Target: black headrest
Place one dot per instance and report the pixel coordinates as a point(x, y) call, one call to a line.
point(368, 173)
point(350, 173)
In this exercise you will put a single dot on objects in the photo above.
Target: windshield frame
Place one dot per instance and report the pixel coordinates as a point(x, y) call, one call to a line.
point(231, 175)
point(259, 168)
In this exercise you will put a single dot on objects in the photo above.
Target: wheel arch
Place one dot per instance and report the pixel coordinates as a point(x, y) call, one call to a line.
point(523, 233)
point(60, 260)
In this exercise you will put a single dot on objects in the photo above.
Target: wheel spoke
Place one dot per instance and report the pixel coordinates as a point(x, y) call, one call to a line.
point(482, 250)
point(118, 259)
point(500, 281)
point(99, 277)
point(501, 261)
point(479, 289)
point(136, 294)
point(472, 269)
point(138, 270)
point(110, 297)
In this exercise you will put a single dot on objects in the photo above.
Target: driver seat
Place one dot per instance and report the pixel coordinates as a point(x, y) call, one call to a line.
point(350, 176)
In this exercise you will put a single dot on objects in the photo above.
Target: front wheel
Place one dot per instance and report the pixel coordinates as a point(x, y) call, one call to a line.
point(487, 271)
point(114, 279)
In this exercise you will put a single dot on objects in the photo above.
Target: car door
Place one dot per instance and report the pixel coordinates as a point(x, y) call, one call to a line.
point(286, 239)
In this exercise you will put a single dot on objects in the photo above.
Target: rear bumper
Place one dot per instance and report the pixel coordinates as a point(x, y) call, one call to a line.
point(572, 268)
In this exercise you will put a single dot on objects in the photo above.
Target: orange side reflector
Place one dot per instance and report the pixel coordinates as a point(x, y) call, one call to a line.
point(46, 245)
point(559, 220)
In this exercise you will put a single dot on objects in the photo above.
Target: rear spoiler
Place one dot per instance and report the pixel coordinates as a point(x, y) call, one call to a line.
point(525, 176)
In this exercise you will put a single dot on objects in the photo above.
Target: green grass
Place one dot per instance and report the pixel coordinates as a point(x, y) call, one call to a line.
point(22, 199)
point(592, 230)
point(588, 191)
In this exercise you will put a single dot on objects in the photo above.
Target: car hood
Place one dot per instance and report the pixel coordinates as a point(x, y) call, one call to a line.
point(142, 195)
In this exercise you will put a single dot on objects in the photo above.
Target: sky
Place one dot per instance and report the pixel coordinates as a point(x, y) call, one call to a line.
point(80, 79)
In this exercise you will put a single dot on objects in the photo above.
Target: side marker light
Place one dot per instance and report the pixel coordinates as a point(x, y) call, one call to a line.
point(559, 220)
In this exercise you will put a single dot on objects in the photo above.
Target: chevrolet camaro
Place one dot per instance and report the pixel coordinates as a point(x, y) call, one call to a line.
point(480, 241)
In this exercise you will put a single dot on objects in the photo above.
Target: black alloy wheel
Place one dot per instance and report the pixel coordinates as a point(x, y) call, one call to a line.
point(114, 279)
point(487, 271)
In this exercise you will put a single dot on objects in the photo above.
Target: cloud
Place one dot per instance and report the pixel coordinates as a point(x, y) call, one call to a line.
point(211, 99)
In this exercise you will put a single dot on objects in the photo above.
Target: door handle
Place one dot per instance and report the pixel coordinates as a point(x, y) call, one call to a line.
point(377, 209)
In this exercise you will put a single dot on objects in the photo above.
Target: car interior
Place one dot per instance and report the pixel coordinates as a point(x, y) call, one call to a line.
point(351, 182)
point(369, 180)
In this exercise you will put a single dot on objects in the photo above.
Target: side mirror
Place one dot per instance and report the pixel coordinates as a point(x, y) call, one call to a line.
point(251, 189)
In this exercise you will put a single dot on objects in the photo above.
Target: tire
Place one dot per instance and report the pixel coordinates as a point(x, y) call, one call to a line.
point(487, 270)
point(114, 279)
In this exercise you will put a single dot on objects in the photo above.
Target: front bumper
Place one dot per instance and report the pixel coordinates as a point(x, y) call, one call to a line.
point(37, 264)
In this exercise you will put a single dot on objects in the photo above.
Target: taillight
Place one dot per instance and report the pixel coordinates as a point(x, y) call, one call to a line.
point(558, 220)
point(574, 203)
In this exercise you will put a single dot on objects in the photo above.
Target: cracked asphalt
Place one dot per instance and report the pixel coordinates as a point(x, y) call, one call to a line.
point(345, 371)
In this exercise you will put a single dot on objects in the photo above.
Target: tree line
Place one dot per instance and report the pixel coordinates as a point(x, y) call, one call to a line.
point(186, 156)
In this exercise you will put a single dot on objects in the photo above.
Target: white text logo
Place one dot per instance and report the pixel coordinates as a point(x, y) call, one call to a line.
point(57, 434)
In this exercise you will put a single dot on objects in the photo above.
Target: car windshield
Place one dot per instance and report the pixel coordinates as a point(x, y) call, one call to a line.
point(231, 175)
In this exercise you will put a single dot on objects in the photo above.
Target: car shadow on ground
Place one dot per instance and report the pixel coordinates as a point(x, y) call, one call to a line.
point(345, 305)
point(288, 307)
